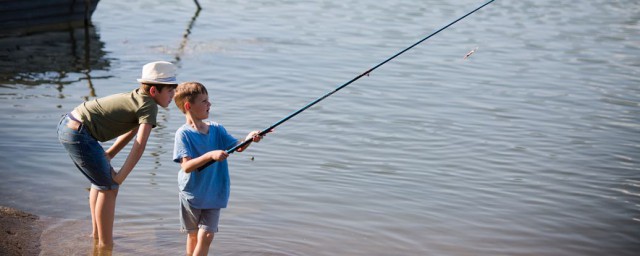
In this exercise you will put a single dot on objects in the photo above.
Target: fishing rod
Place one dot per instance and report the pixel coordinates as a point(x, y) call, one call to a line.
point(366, 73)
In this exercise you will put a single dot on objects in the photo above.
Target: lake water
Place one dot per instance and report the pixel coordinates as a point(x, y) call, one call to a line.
point(530, 146)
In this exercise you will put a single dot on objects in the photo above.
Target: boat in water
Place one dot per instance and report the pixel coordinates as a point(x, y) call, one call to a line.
point(19, 17)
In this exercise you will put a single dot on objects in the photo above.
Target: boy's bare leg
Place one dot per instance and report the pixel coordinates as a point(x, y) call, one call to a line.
point(204, 241)
point(93, 197)
point(105, 214)
point(192, 240)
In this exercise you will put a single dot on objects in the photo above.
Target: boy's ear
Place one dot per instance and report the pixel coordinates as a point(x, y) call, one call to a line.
point(187, 106)
point(153, 91)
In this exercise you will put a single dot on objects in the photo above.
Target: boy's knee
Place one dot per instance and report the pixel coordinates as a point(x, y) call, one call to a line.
point(207, 235)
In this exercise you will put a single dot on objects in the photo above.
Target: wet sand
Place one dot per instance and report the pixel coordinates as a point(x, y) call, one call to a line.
point(20, 233)
point(23, 233)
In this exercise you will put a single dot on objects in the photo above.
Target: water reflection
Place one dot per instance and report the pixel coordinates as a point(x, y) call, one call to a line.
point(60, 57)
point(160, 131)
point(185, 37)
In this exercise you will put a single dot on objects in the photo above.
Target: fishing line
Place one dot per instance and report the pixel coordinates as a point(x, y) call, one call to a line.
point(366, 73)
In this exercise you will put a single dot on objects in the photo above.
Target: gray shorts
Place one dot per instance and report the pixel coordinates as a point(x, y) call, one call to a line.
point(193, 219)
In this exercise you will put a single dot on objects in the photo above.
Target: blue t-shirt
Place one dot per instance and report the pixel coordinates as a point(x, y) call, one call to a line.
point(210, 187)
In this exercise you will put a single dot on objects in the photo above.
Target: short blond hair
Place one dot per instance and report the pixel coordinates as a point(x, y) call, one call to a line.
point(188, 92)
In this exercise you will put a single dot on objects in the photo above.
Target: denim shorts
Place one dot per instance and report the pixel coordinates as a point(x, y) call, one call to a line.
point(87, 154)
point(192, 219)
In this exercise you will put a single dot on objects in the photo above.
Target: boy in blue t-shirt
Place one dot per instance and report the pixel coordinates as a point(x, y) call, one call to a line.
point(202, 192)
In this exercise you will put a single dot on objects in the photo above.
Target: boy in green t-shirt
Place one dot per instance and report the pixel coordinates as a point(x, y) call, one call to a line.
point(125, 116)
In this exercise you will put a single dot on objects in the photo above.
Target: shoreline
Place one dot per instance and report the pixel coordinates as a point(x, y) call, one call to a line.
point(21, 232)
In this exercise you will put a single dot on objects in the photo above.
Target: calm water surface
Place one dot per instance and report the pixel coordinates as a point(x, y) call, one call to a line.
point(529, 147)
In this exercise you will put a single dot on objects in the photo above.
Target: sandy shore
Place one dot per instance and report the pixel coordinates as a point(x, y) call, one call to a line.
point(20, 233)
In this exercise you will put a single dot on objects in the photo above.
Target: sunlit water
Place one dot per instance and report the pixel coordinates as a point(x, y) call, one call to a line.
point(530, 146)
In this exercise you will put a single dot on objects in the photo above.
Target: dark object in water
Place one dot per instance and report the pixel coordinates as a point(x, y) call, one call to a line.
point(25, 16)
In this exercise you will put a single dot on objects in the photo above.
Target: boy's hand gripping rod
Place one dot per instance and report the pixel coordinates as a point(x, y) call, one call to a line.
point(366, 73)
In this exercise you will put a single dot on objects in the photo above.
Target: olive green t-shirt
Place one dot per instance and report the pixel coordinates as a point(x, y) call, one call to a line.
point(111, 116)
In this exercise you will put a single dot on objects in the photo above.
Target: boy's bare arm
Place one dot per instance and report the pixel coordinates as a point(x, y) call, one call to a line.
point(120, 143)
point(188, 164)
point(139, 145)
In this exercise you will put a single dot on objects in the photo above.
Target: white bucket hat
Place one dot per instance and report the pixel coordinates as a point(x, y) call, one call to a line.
point(159, 72)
